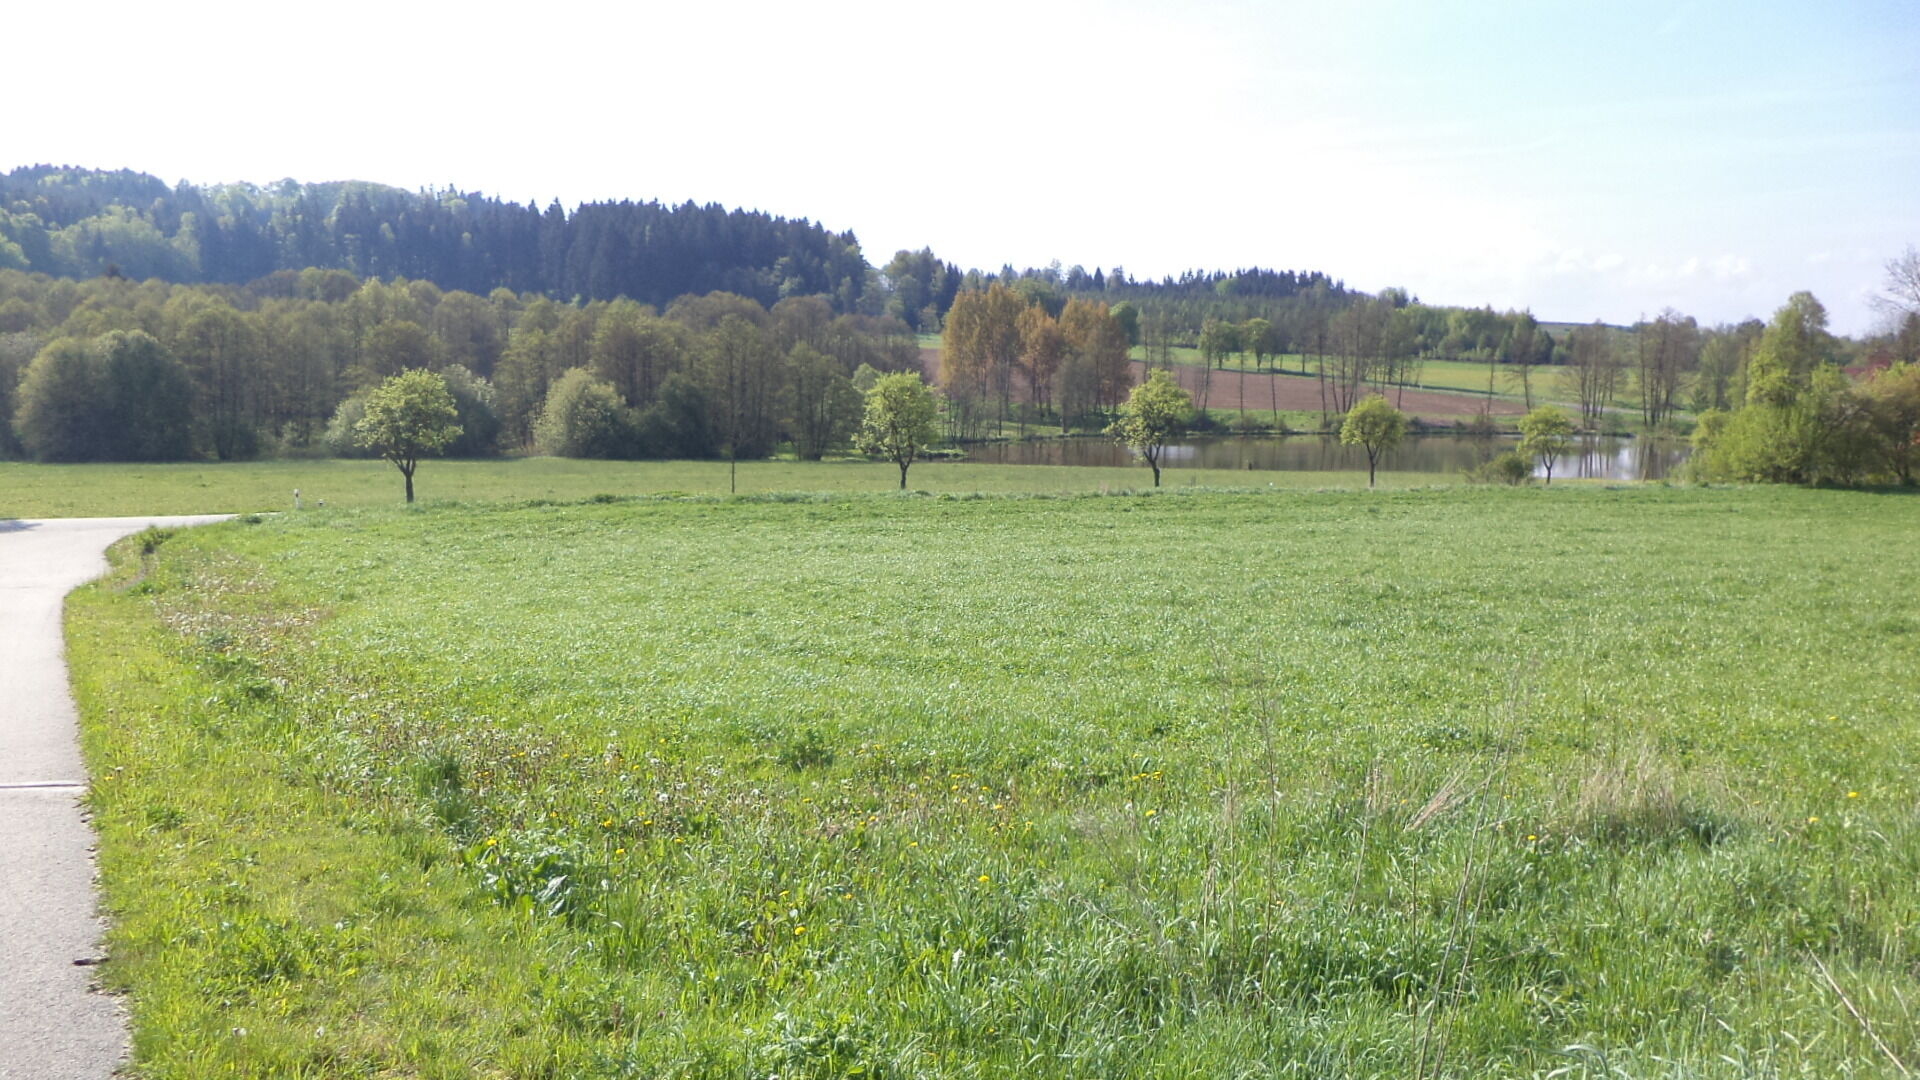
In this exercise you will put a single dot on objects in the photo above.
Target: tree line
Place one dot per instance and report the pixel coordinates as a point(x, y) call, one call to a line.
point(1005, 357)
point(84, 223)
point(112, 369)
point(81, 223)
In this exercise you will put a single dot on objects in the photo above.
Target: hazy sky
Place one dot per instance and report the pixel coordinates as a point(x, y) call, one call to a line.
point(1583, 159)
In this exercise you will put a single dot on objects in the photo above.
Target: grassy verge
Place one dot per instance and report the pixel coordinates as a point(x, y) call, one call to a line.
point(266, 923)
point(1296, 783)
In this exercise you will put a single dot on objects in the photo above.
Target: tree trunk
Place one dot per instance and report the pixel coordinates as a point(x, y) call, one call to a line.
point(903, 474)
point(408, 473)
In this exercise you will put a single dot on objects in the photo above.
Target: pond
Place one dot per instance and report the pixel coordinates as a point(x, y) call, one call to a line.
point(1597, 457)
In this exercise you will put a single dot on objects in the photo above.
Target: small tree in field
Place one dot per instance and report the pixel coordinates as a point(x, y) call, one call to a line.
point(899, 420)
point(408, 417)
point(1546, 433)
point(1375, 426)
point(1155, 413)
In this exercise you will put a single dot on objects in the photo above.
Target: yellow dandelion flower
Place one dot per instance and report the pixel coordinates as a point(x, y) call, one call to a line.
point(1150, 813)
point(798, 930)
point(1853, 794)
point(619, 851)
point(1815, 820)
point(986, 879)
point(493, 841)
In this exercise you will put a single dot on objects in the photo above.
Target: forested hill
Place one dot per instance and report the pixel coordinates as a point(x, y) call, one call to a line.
point(83, 223)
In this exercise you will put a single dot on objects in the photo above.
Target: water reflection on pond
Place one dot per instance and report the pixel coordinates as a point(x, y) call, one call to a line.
point(1592, 457)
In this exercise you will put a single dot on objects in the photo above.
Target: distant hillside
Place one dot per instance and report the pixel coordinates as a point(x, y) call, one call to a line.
point(84, 223)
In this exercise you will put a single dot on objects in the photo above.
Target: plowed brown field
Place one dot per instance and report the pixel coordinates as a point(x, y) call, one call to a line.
point(1295, 393)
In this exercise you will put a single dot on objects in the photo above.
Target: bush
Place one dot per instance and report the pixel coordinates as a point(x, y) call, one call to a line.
point(679, 424)
point(584, 418)
point(1205, 423)
point(1479, 426)
point(1512, 467)
point(1823, 432)
point(340, 437)
point(479, 415)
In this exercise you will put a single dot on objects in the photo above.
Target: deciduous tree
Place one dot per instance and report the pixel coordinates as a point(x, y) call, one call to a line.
point(408, 417)
point(743, 377)
point(1895, 393)
point(1593, 368)
point(1375, 426)
point(899, 420)
point(121, 398)
point(1545, 434)
point(1042, 349)
point(824, 406)
point(1155, 413)
point(1902, 292)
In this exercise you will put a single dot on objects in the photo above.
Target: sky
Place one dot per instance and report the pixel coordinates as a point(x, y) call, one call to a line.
point(1578, 159)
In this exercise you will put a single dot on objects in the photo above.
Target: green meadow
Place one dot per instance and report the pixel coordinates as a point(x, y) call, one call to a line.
point(1443, 782)
point(33, 490)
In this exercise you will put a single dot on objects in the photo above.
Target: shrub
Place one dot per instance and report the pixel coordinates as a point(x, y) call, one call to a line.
point(1512, 467)
point(679, 424)
point(1479, 427)
point(1204, 423)
point(341, 439)
point(584, 418)
point(1823, 431)
point(478, 412)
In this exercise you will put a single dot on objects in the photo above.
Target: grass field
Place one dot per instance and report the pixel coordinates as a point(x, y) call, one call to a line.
point(28, 491)
point(1462, 782)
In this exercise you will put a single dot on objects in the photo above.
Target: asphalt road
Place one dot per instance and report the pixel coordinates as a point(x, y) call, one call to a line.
point(53, 1026)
